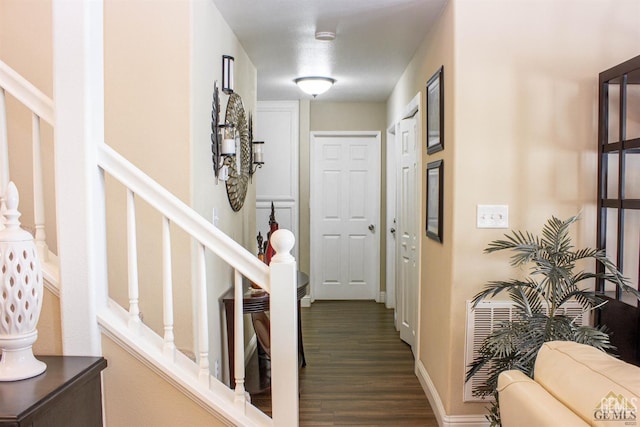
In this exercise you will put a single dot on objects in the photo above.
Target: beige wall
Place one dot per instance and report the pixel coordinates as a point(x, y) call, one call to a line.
point(346, 116)
point(147, 104)
point(211, 38)
point(160, 63)
point(304, 240)
point(49, 340)
point(134, 395)
point(26, 46)
point(521, 129)
point(161, 60)
point(435, 317)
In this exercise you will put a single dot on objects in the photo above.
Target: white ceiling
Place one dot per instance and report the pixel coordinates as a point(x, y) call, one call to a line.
point(375, 40)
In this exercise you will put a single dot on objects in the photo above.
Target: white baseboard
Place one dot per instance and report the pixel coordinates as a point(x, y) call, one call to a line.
point(443, 419)
point(382, 297)
point(305, 301)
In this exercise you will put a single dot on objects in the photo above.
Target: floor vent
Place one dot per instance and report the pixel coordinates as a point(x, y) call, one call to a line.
point(480, 323)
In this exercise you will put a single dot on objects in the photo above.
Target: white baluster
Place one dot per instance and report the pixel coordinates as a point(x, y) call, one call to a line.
point(169, 346)
point(4, 156)
point(203, 325)
point(132, 248)
point(38, 191)
point(238, 344)
point(284, 333)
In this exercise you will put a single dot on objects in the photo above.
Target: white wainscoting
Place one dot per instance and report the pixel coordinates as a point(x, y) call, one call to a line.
point(277, 124)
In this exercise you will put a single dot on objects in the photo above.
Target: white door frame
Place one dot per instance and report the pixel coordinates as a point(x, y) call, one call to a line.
point(411, 109)
point(391, 204)
point(313, 200)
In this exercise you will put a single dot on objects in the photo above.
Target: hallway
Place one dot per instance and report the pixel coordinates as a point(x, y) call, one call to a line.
point(358, 371)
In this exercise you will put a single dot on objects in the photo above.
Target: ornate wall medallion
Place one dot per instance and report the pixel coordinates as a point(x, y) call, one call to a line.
point(238, 177)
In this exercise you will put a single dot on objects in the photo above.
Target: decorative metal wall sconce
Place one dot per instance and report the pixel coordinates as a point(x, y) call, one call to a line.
point(224, 140)
point(234, 154)
point(227, 74)
point(257, 151)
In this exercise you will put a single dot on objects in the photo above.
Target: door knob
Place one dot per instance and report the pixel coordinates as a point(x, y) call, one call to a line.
point(372, 228)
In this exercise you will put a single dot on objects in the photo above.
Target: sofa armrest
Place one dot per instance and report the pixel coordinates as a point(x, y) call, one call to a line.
point(524, 403)
point(598, 387)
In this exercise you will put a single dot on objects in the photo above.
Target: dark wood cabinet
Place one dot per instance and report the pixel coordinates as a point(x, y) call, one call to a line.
point(67, 394)
point(619, 201)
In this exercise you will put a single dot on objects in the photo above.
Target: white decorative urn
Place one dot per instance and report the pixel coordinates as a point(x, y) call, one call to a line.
point(20, 296)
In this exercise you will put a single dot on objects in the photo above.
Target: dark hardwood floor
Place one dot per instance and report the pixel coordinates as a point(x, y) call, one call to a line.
point(358, 371)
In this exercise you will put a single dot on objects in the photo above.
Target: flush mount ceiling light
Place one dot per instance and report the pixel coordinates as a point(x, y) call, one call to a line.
point(326, 36)
point(314, 85)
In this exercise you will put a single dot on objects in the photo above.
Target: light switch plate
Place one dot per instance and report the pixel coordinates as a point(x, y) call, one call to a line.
point(493, 216)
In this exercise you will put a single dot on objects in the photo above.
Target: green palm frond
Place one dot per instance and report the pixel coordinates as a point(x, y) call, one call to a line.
point(595, 337)
point(494, 288)
point(525, 245)
point(538, 300)
point(586, 299)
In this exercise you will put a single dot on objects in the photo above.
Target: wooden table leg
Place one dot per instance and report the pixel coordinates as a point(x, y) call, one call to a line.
point(300, 345)
point(229, 312)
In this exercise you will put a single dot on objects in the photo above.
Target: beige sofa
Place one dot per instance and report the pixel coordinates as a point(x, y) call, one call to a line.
point(573, 385)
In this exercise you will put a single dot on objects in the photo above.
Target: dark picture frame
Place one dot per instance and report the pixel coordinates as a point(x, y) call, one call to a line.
point(435, 178)
point(435, 112)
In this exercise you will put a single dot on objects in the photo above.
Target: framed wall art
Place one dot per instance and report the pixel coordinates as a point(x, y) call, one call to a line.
point(435, 178)
point(435, 112)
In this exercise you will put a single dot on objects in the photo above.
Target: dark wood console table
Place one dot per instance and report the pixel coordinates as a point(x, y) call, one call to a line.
point(68, 393)
point(256, 302)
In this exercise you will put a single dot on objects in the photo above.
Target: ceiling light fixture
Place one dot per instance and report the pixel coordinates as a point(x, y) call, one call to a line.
point(314, 85)
point(326, 36)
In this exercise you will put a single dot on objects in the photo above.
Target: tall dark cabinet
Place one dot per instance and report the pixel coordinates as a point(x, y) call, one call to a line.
point(619, 200)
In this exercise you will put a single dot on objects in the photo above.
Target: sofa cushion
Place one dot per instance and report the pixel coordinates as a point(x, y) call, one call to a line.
point(594, 385)
point(524, 403)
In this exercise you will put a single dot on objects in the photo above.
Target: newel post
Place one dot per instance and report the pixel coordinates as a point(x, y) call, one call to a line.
point(284, 332)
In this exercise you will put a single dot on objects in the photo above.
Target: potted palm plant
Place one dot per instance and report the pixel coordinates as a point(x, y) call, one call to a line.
point(538, 302)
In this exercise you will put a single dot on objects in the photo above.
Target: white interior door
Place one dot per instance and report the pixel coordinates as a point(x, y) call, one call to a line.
point(345, 205)
point(407, 289)
point(277, 181)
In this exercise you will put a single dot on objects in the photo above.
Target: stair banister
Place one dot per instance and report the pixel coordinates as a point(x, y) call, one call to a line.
point(284, 335)
point(132, 261)
point(38, 190)
point(203, 317)
point(4, 147)
point(25, 92)
point(41, 107)
point(169, 346)
point(238, 320)
point(279, 279)
point(79, 128)
point(183, 216)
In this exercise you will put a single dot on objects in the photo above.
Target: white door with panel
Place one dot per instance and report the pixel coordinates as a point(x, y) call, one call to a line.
point(277, 181)
point(408, 225)
point(345, 207)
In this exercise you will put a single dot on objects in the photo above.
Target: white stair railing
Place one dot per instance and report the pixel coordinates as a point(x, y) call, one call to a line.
point(124, 324)
point(281, 271)
point(283, 300)
point(41, 107)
